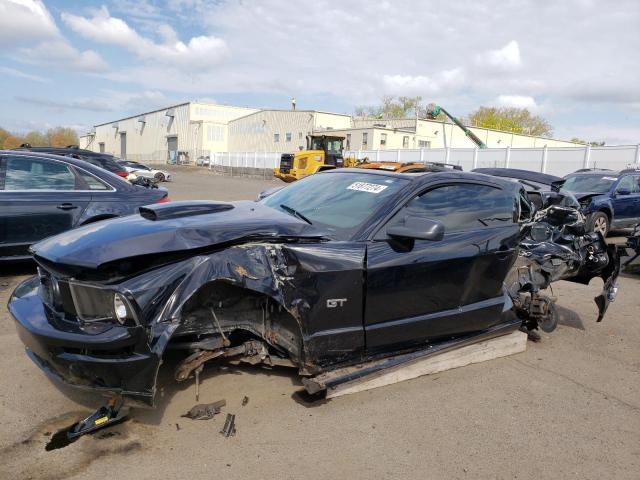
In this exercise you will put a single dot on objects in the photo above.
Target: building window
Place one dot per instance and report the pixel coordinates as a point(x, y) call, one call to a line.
point(405, 142)
point(383, 140)
point(287, 137)
point(276, 138)
point(424, 143)
point(348, 141)
point(365, 138)
point(300, 135)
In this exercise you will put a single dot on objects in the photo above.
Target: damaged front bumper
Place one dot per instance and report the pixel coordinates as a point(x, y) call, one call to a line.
point(112, 359)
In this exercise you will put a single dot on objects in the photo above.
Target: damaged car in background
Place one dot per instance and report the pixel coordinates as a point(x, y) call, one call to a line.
point(346, 267)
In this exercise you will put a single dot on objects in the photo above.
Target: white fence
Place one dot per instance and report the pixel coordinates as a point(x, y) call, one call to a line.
point(245, 160)
point(556, 161)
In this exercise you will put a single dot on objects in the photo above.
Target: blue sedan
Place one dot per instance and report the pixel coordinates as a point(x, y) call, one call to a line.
point(43, 195)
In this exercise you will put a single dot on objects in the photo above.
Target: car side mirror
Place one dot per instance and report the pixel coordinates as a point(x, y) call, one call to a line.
point(417, 228)
point(623, 191)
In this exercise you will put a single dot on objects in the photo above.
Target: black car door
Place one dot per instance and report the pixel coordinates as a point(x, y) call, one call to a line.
point(419, 290)
point(39, 198)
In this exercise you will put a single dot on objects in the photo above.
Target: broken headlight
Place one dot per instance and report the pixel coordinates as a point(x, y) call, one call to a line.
point(94, 304)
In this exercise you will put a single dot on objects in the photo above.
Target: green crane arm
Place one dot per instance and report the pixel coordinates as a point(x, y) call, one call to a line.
point(435, 111)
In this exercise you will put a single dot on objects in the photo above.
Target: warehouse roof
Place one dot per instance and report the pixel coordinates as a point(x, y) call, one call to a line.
point(169, 107)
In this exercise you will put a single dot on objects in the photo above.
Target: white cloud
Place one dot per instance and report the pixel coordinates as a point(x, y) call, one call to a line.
point(59, 53)
point(407, 84)
point(102, 101)
point(423, 84)
point(25, 21)
point(505, 58)
point(518, 101)
point(29, 34)
point(601, 132)
point(199, 52)
point(20, 74)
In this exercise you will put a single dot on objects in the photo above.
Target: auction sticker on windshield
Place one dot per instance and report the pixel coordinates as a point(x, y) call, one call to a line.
point(366, 187)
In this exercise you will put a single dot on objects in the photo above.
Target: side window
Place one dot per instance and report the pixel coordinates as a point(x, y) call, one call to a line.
point(463, 206)
point(628, 183)
point(25, 173)
point(93, 183)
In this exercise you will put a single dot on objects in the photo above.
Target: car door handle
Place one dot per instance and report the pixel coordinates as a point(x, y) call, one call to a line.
point(67, 206)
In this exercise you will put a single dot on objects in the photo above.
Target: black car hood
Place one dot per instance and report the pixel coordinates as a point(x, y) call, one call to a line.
point(169, 228)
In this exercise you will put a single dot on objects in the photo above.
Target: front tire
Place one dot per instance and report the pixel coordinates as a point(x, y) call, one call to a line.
point(159, 177)
point(599, 222)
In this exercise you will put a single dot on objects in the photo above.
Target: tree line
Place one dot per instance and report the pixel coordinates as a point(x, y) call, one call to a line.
point(510, 119)
point(53, 137)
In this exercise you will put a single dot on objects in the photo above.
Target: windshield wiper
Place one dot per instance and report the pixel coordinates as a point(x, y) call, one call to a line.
point(295, 213)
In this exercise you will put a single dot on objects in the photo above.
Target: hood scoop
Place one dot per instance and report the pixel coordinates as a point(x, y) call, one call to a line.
point(166, 211)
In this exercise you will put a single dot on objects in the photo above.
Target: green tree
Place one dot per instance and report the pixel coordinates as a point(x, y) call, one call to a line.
point(392, 107)
point(62, 137)
point(584, 142)
point(510, 119)
point(36, 139)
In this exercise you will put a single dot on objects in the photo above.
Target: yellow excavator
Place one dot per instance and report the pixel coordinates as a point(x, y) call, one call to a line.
point(323, 152)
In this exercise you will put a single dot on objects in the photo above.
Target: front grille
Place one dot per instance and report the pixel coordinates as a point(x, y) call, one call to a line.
point(286, 162)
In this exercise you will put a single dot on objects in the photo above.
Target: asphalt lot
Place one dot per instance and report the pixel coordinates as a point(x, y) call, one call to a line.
point(569, 407)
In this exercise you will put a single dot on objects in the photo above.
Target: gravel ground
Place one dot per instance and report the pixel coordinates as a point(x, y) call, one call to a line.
point(569, 407)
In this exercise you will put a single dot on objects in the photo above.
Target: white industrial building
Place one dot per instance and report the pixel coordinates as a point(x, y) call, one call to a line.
point(178, 132)
point(186, 131)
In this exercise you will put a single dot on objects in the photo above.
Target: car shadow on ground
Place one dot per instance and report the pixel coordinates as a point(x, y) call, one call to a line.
point(569, 318)
point(11, 273)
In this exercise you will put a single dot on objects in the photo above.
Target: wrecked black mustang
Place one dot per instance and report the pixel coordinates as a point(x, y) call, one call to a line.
point(341, 268)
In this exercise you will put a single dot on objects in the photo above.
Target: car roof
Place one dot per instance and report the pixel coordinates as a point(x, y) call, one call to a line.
point(418, 178)
point(65, 151)
point(520, 174)
point(83, 164)
point(604, 171)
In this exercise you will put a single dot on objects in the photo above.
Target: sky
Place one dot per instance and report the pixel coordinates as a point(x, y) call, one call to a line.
point(81, 63)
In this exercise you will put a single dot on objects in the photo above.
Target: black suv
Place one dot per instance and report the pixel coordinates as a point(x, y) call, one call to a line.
point(102, 160)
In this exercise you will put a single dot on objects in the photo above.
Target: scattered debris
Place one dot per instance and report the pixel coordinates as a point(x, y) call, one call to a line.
point(178, 427)
point(204, 411)
point(229, 429)
point(245, 400)
point(107, 415)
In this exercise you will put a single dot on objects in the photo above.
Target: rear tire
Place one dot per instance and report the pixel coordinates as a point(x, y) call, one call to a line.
point(599, 222)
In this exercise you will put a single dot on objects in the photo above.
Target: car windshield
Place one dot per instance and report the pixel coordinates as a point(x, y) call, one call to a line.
point(590, 183)
point(338, 202)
